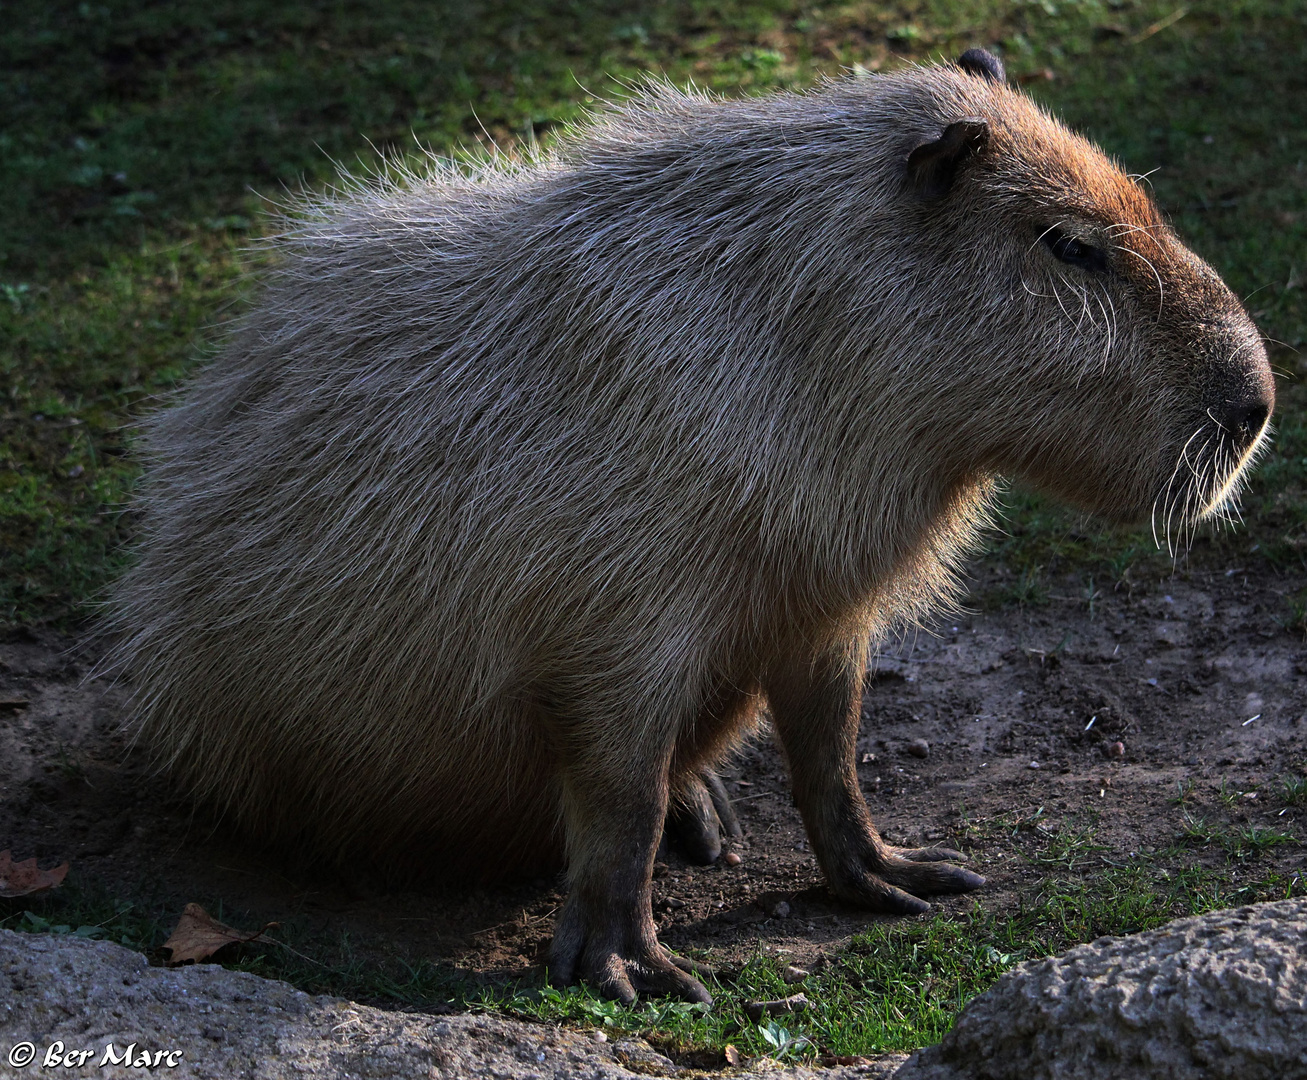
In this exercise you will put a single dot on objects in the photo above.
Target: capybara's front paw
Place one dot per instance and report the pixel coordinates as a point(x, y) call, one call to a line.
point(620, 958)
point(895, 881)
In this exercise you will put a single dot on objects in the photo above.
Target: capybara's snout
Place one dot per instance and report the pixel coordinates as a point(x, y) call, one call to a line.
point(1236, 402)
point(1243, 401)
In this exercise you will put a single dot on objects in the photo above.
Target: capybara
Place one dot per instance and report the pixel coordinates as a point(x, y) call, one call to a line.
point(527, 488)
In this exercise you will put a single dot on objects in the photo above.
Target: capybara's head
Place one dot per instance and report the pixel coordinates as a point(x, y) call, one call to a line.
point(1132, 382)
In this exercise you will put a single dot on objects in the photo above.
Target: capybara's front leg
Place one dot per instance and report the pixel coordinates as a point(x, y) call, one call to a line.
point(614, 806)
point(815, 706)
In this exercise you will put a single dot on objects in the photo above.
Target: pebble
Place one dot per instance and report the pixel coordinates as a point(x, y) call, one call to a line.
point(731, 859)
point(919, 748)
point(1115, 750)
point(600, 1036)
point(1034, 765)
point(781, 910)
point(792, 974)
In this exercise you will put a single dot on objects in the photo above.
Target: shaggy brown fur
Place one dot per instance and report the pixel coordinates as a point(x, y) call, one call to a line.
point(521, 491)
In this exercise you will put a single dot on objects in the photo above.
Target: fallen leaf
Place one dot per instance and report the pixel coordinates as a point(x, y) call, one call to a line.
point(731, 1054)
point(23, 878)
point(198, 935)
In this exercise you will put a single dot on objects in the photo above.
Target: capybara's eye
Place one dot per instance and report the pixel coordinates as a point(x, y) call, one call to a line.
point(1076, 252)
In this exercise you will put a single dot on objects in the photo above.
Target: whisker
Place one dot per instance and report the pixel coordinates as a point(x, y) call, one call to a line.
point(1126, 227)
point(1161, 291)
point(1139, 178)
point(1040, 237)
point(1168, 501)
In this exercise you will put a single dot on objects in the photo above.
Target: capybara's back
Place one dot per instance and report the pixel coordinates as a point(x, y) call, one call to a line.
point(520, 491)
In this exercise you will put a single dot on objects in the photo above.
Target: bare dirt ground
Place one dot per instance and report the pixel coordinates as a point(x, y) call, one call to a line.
point(1173, 669)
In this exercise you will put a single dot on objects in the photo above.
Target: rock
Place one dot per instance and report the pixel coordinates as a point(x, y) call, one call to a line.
point(792, 974)
point(231, 1025)
point(918, 748)
point(1114, 749)
point(732, 859)
point(1215, 997)
point(781, 909)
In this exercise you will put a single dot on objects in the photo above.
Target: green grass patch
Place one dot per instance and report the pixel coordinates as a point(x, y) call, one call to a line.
point(1293, 790)
point(899, 986)
point(135, 139)
point(896, 987)
point(1237, 841)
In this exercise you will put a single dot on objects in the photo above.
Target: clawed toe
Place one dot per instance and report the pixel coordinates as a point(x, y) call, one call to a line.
point(901, 882)
point(625, 978)
point(693, 967)
point(928, 854)
point(665, 976)
point(620, 968)
point(930, 877)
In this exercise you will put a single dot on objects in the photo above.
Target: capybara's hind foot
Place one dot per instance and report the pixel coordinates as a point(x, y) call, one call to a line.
point(699, 818)
point(621, 961)
point(903, 877)
point(927, 854)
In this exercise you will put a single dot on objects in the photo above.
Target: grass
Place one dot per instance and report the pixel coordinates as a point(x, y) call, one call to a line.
point(896, 987)
point(1238, 841)
point(136, 136)
point(1293, 790)
point(134, 141)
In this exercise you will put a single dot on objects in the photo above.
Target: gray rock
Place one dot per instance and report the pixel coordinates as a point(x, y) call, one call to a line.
point(230, 1025)
point(1207, 998)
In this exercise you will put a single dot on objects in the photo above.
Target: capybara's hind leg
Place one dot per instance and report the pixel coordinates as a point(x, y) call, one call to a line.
point(615, 805)
point(700, 817)
point(815, 708)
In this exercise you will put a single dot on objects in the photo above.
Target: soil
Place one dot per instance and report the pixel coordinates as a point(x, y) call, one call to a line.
point(1194, 674)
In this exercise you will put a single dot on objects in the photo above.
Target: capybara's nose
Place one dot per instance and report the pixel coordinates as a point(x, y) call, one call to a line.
point(1246, 415)
point(1248, 401)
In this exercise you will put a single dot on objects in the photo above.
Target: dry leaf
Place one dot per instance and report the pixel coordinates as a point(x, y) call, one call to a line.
point(198, 935)
point(23, 878)
point(732, 1055)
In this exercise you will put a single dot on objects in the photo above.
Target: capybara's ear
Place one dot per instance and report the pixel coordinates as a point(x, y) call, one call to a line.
point(932, 166)
point(983, 64)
